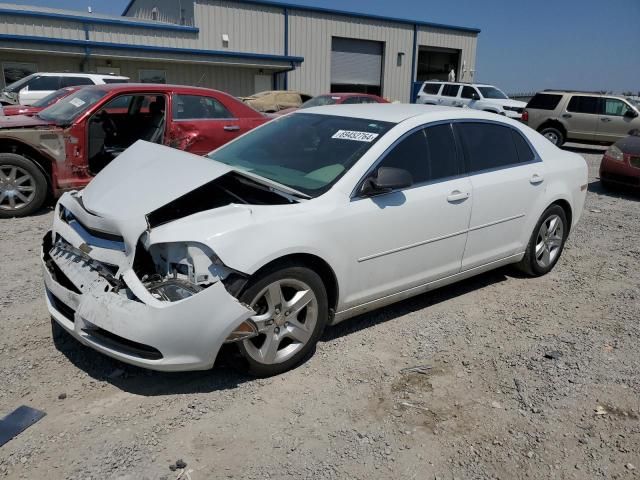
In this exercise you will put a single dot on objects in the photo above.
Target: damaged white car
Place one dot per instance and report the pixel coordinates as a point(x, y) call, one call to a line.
point(306, 221)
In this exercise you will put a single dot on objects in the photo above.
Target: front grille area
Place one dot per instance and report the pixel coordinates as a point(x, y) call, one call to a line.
point(120, 344)
point(65, 310)
point(634, 161)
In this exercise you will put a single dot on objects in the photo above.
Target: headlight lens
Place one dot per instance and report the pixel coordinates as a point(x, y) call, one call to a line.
point(172, 290)
point(614, 153)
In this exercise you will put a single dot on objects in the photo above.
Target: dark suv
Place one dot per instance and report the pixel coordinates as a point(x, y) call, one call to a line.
point(582, 117)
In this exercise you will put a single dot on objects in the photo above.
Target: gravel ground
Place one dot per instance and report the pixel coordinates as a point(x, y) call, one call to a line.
point(522, 378)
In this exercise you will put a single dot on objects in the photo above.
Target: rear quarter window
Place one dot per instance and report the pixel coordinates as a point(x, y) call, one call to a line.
point(431, 88)
point(544, 101)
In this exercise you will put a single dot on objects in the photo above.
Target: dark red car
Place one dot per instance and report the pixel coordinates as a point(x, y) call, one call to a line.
point(334, 99)
point(30, 110)
point(65, 145)
point(620, 164)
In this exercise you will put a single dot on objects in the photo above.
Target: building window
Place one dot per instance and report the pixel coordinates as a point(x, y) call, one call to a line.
point(152, 76)
point(14, 71)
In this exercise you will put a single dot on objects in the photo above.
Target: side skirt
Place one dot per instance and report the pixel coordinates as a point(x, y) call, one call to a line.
point(413, 291)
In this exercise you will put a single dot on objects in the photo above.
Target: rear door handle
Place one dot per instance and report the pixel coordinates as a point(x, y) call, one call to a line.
point(536, 179)
point(231, 128)
point(457, 196)
point(566, 115)
point(605, 119)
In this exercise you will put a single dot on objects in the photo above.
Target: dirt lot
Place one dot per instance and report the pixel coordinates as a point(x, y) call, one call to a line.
point(524, 378)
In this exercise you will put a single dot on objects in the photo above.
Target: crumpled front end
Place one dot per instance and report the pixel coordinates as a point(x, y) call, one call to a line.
point(163, 307)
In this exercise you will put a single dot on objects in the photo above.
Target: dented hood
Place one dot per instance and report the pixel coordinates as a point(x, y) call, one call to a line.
point(145, 177)
point(22, 121)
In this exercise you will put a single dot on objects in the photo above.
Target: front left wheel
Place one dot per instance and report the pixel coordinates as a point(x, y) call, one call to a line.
point(23, 187)
point(291, 313)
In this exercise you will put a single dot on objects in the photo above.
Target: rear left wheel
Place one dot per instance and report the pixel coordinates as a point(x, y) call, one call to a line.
point(546, 242)
point(291, 313)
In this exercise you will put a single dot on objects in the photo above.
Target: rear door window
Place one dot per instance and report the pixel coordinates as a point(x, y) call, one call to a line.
point(44, 84)
point(467, 92)
point(192, 107)
point(74, 81)
point(583, 104)
point(431, 88)
point(487, 146)
point(544, 101)
point(450, 90)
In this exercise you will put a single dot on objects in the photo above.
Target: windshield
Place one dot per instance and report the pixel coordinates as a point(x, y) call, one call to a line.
point(51, 98)
point(320, 100)
point(492, 92)
point(70, 107)
point(635, 102)
point(15, 87)
point(306, 152)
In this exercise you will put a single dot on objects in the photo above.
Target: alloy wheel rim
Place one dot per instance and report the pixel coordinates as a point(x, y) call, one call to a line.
point(549, 241)
point(552, 137)
point(17, 187)
point(286, 317)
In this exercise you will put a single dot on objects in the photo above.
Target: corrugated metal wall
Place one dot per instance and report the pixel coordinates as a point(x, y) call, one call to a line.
point(464, 41)
point(169, 11)
point(251, 28)
point(310, 36)
point(14, 25)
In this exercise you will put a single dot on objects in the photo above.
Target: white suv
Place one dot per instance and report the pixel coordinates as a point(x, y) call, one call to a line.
point(33, 87)
point(466, 95)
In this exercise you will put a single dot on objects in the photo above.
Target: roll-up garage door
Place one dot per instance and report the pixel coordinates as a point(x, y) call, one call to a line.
point(356, 64)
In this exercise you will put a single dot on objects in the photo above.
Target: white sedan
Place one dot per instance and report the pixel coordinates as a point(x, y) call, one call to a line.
point(307, 221)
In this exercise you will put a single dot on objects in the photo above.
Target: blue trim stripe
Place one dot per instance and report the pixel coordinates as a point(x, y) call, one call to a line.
point(98, 20)
point(344, 13)
point(149, 48)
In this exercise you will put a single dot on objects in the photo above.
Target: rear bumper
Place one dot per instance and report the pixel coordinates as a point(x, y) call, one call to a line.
point(134, 327)
point(619, 172)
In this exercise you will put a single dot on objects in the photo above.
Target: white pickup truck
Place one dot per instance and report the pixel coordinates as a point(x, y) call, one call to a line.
point(468, 95)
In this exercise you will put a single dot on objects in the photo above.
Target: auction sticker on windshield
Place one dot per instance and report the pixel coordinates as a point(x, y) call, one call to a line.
point(356, 136)
point(77, 102)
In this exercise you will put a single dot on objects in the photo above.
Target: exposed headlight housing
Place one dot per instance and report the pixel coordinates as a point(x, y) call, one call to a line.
point(614, 153)
point(172, 290)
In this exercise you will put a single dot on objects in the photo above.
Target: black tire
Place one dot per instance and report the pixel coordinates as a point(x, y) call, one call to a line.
point(529, 264)
point(256, 286)
point(554, 135)
point(37, 180)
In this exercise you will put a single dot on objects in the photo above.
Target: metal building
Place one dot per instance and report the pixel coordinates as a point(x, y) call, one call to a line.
point(241, 47)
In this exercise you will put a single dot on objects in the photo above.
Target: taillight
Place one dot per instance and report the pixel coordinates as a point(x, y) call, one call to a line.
point(525, 116)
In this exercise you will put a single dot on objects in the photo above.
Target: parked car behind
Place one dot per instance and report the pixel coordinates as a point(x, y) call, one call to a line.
point(567, 116)
point(620, 164)
point(66, 144)
point(311, 219)
point(465, 95)
point(31, 110)
point(36, 86)
point(276, 100)
point(335, 99)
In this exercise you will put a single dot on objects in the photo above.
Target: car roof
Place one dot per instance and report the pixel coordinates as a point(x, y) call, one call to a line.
point(461, 83)
point(81, 75)
point(398, 112)
point(583, 93)
point(152, 87)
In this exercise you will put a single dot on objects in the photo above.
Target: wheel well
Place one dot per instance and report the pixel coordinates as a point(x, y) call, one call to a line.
point(19, 148)
point(553, 124)
point(314, 263)
point(564, 205)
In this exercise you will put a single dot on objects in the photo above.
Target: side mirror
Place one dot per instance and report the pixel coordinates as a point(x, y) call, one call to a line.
point(630, 113)
point(387, 180)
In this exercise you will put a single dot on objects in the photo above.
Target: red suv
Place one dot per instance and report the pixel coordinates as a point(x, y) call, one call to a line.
point(66, 144)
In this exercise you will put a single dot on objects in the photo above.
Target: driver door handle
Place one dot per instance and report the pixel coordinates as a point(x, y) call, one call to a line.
point(231, 128)
point(605, 119)
point(536, 179)
point(457, 196)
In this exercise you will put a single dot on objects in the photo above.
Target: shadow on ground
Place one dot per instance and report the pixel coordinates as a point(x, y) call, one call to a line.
point(225, 375)
point(622, 192)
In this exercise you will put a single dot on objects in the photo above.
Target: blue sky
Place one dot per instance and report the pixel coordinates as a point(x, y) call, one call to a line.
point(524, 45)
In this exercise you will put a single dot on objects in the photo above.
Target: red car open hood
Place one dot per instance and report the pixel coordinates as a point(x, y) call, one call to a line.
point(11, 110)
point(22, 121)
